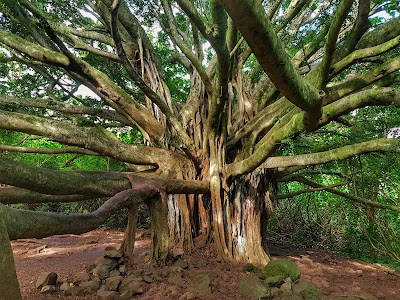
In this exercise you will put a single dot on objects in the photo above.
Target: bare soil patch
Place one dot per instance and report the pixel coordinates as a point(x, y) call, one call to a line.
point(67, 255)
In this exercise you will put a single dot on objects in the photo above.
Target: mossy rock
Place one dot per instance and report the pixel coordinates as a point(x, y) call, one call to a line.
point(248, 268)
point(283, 267)
point(253, 288)
point(275, 281)
point(307, 290)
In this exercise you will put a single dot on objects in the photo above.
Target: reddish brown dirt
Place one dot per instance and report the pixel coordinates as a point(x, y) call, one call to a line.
point(70, 254)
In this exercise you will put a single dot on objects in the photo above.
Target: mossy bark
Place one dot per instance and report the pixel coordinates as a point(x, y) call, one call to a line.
point(9, 288)
point(160, 232)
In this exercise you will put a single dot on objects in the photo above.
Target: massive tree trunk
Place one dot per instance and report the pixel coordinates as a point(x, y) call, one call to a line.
point(9, 288)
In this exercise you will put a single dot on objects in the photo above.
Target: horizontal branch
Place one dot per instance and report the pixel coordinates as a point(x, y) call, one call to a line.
point(87, 183)
point(306, 191)
point(55, 105)
point(347, 196)
point(378, 145)
point(360, 54)
point(115, 96)
point(46, 150)
point(370, 97)
point(33, 224)
point(14, 195)
point(92, 138)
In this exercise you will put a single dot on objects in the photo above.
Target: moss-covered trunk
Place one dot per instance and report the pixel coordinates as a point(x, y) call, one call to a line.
point(9, 288)
point(160, 240)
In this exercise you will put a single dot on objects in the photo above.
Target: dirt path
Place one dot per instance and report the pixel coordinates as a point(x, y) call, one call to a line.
point(68, 255)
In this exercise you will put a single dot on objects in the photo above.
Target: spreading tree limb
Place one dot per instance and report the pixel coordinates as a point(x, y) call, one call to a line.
point(345, 195)
point(332, 155)
point(34, 224)
point(87, 183)
point(253, 23)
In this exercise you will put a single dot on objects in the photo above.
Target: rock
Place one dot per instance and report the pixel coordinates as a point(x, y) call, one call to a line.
point(175, 278)
point(109, 262)
point(88, 287)
point(66, 286)
point(200, 284)
point(108, 295)
point(187, 296)
point(48, 289)
point(307, 290)
point(90, 268)
point(177, 252)
point(248, 267)
point(130, 286)
point(181, 263)
point(286, 287)
point(275, 292)
point(175, 269)
point(147, 279)
point(46, 278)
point(200, 241)
point(275, 281)
point(283, 267)
point(252, 287)
point(359, 273)
point(81, 277)
point(112, 252)
point(73, 290)
point(122, 269)
point(115, 273)
point(101, 272)
point(365, 296)
point(112, 283)
point(289, 297)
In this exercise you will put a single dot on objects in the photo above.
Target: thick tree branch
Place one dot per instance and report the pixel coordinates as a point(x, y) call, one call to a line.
point(14, 195)
point(361, 25)
point(115, 96)
point(46, 150)
point(88, 183)
point(370, 97)
point(360, 54)
point(378, 145)
point(251, 19)
point(330, 46)
point(381, 34)
point(33, 224)
point(63, 107)
point(181, 133)
point(95, 139)
point(359, 82)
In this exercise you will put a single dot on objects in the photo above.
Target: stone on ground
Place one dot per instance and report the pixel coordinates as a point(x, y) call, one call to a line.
point(200, 284)
point(307, 290)
point(283, 267)
point(112, 283)
point(250, 286)
point(46, 278)
point(130, 286)
point(108, 295)
point(112, 252)
point(48, 289)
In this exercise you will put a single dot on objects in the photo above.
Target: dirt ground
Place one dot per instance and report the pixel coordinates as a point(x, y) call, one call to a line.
point(68, 255)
